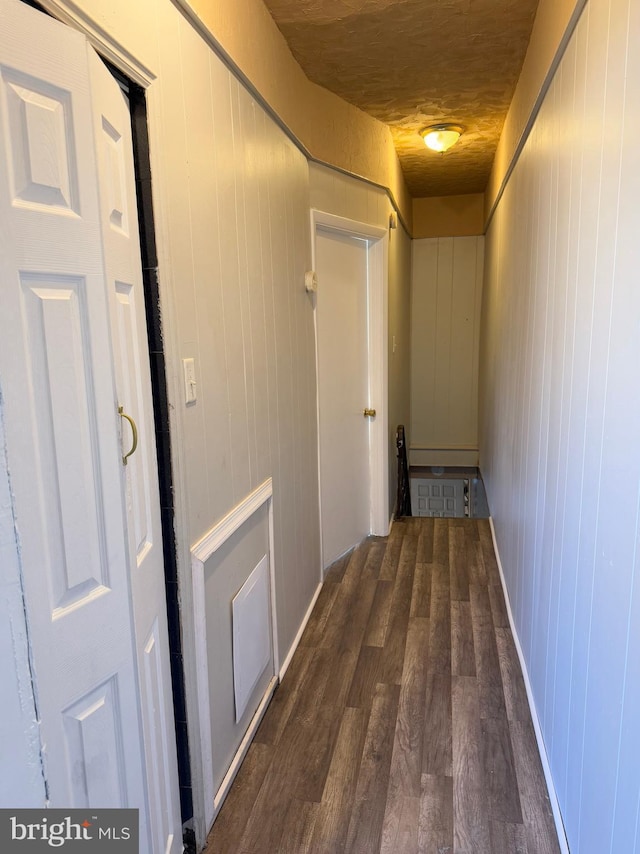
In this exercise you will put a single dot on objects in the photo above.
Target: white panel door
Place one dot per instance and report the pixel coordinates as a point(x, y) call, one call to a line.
point(119, 219)
point(63, 446)
point(343, 390)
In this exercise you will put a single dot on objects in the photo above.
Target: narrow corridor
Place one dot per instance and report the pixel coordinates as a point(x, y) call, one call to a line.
point(402, 724)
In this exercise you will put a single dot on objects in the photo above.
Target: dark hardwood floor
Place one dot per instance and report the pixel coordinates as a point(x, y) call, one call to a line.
point(402, 724)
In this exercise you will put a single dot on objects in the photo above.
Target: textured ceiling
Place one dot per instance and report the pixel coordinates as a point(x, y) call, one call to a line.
point(410, 63)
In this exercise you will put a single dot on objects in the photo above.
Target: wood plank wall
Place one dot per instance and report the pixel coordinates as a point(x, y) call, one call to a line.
point(446, 294)
point(232, 198)
point(560, 421)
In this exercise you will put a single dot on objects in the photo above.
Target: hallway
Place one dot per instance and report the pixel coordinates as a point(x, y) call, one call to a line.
point(402, 724)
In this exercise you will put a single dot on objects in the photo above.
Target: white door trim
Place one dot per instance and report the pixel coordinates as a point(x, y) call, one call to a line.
point(377, 240)
point(108, 47)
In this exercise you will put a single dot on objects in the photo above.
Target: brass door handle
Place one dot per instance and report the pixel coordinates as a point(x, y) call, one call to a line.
point(134, 430)
point(369, 413)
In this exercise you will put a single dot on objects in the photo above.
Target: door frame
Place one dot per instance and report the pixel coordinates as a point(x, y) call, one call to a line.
point(377, 243)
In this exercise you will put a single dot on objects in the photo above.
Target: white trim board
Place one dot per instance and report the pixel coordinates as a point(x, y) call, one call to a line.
point(377, 240)
point(102, 41)
point(201, 551)
point(553, 797)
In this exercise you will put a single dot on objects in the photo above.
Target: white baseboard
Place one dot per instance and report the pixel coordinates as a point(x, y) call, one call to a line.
point(297, 638)
point(553, 797)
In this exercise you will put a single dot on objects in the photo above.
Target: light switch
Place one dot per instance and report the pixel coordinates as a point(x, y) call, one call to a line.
point(189, 368)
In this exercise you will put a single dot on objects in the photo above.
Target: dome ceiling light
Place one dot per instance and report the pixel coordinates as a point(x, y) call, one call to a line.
point(441, 137)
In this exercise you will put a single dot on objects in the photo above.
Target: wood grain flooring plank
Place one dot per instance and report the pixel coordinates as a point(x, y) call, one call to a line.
point(481, 613)
point(463, 660)
point(353, 629)
point(335, 573)
point(421, 594)
point(341, 611)
point(284, 698)
point(396, 635)
point(233, 816)
point(488, 553)
point(536, 808)
point(298, 827)
point(508, 838)
point(477, 570)
point(515, 693)
point(440, 616)
point(401, 837)
point(471, 530)
point(435, 823)
point(425, 541)
point(312, 635)
point(413, 525)
point(459, 576)
point(379, 616)
point(332, 824)
point(498, 606)
point(408, 553)
point(365, 678)
point(490, 688)
point(373, 563)
point(308, 757)
point(311, 686)
point(441, 541)
point(406, 761)
point(299, 769)
point(470, 815)
point(499, 771)
point(392, 552)
point(355, 565)
point(343, 668)
point(436, 746)
point(365, 825)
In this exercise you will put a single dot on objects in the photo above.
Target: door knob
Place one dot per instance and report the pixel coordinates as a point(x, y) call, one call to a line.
point(369, 413)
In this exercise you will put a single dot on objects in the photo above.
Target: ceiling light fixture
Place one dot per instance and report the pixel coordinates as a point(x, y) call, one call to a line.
point(441, 137)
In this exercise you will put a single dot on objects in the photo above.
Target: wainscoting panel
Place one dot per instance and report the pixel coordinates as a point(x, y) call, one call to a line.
point(237, 661)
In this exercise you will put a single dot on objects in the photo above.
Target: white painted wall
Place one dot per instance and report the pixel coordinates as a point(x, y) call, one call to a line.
point(339, 194)
point(446, 295)
point(561, 418)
